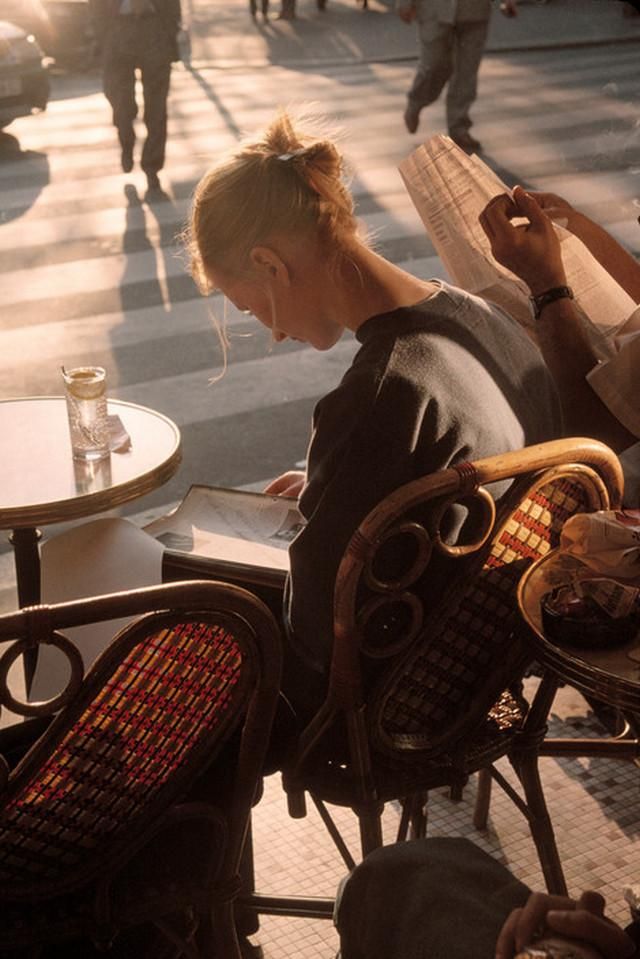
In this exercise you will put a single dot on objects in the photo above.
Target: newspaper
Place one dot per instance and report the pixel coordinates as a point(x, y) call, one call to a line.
point(234, 526)
point(449, 190)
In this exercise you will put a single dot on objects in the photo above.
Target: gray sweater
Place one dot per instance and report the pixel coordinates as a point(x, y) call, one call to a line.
point(452, 378)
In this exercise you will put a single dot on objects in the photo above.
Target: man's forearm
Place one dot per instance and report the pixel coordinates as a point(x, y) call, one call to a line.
point(569, 356)
point(617, 261)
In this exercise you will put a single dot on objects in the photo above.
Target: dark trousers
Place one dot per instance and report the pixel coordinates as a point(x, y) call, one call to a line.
point(139, 43)
point(440, 898)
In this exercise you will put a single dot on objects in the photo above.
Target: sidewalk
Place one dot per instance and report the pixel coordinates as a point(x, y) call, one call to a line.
point(224, 34)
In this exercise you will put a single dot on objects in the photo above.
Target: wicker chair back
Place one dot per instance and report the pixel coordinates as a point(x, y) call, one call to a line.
point(434, 665)
point(146, 721)
point(462, 669)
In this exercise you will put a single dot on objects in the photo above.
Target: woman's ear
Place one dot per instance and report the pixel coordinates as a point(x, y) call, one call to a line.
point(269, 264)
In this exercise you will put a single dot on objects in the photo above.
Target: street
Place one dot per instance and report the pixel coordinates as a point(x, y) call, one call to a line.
point(92, 273)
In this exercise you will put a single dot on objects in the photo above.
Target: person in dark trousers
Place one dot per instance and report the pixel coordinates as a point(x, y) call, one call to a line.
point(253, 7)
point(452, 35)
point(138, 35)
point(446, 897)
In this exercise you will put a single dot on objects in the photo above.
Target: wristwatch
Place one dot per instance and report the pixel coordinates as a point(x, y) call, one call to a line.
point(539, 302)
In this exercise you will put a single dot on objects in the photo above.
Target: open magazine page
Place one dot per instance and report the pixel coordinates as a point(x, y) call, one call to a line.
point(449, 190)
point(233, 526)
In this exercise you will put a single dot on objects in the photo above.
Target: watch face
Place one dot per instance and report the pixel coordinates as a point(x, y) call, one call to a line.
point(539, 302)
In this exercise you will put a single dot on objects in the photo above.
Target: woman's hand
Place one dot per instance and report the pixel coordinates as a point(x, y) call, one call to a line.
point(530, 251)
point(582, 920)
point(289, 484)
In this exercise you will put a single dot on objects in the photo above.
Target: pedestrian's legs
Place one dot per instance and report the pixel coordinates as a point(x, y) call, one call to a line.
point(119, 82)
point(469, 43)
point(436, 61)
point(156, 75)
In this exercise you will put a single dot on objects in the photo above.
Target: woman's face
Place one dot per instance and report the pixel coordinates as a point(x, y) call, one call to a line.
point(292, 299)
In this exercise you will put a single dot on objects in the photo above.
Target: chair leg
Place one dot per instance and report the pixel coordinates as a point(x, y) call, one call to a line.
point(225, 936)
point(182, 941)
point(247, 921)
point(370, 821)
point(540, 824)
point(418, 816)
point(524, 759)
point(403, 824)
point(483, 799)
point(334, 832)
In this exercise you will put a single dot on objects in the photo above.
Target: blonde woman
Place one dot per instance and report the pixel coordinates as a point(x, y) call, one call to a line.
point(440, 376)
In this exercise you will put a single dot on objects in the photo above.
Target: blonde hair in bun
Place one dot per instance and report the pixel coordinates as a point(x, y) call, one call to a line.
point(290, 181)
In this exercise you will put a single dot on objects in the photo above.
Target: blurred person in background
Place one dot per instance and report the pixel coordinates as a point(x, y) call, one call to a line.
point(452, 36)
point(138, 35)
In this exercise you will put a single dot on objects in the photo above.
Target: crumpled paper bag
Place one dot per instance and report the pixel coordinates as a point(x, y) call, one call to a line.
point(607, 541)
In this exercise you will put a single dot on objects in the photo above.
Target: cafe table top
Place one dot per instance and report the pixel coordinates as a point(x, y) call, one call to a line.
point(41, 483)
point(609, 673)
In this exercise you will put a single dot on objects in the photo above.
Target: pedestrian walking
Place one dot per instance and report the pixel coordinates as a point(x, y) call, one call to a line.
point(138, 35)
point(253, 6)
point(452, 36)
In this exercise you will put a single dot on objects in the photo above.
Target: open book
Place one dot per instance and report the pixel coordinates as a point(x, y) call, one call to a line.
point(449, 190)
point(241, 531)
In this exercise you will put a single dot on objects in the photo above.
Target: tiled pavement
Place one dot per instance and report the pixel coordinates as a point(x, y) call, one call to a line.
point(594, 805)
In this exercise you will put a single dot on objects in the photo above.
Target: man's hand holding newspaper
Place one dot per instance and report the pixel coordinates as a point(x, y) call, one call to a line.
point(531, 250)
point(450, 190)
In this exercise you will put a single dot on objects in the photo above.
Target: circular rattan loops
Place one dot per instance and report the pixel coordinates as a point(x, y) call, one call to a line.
point(489, 513)
point(424, 547)
point(376, 603)
point(17, 649)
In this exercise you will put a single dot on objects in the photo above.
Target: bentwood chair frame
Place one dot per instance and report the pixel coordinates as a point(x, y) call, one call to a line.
point(95, 817)
point(425, 695)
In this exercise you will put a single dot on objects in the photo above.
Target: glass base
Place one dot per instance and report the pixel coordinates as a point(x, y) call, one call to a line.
point(91, 456)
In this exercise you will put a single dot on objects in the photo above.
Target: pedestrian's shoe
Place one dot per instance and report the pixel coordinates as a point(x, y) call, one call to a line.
point(412, 117)
point(126, 159)
point(466, 142)
point(153, 183)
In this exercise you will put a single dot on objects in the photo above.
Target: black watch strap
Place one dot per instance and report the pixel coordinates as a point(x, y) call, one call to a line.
point(539, 302)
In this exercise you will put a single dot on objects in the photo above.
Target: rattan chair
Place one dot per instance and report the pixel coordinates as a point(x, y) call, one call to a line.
point(118, 828)
point(425, 684)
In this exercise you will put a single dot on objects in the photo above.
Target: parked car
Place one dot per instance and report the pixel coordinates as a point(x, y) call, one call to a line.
point(61, 27)
point(24, 82)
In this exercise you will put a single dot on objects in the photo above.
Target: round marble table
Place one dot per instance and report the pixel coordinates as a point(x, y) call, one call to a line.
point(610, 674)
point(41, 483)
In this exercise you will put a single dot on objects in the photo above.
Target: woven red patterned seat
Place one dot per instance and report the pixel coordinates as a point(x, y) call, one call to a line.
point(89, 817)
point(430, 650)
